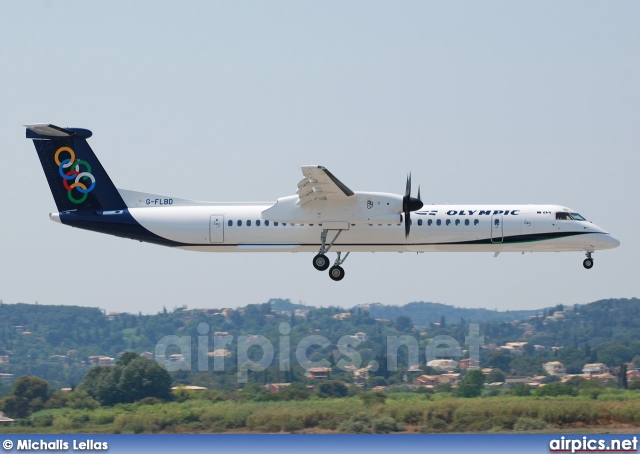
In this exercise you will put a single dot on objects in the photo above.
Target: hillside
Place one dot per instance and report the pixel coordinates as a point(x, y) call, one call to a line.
point(423, 313)
point(60, 343)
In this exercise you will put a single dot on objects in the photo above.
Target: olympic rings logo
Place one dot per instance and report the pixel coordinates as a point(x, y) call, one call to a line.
point(70, 170)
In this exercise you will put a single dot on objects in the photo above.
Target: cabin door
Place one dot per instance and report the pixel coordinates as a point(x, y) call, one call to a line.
point(216, 229)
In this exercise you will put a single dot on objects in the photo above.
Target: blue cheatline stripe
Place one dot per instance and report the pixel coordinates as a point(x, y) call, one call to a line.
point(122, 225)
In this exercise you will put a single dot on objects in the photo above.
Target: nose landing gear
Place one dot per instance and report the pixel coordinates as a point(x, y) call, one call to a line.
point(588, 262)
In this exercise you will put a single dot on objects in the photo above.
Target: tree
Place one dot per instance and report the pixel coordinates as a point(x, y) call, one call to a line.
point(332, 388)
point(495, 376)
point(136, 379)
point(520, 389)
point(74, 399)
point(403, 323)
point(573, 359)
point(499, 360)
point(101, 383)
point(550, 379)
point(635, 384)
point(622, 377)
point(126, 358)
point(142, 377)
point(471, 384)
point(377, 381)
point(295, 391)
point(383, 369)
point(556, 389)
point(29, 395)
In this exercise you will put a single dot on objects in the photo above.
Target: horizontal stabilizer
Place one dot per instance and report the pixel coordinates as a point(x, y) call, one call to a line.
point(48, 131)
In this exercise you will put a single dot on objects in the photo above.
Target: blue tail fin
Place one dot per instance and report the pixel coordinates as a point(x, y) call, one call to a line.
point(76, 178)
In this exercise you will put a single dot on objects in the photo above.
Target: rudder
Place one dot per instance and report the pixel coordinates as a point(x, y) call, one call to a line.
point(76, 178)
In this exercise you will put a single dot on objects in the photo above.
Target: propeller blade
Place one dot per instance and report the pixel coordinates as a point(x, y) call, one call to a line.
point(406, 206)
point(407, 223)
point(419, 194)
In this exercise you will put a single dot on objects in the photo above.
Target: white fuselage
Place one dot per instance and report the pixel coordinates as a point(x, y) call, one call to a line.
point(435, 228)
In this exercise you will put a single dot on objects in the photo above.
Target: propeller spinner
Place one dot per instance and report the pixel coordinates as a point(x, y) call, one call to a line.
point(409, 204)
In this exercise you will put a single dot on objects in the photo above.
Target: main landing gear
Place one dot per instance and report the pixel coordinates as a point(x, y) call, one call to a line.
point(588, 262)
point(321, 261)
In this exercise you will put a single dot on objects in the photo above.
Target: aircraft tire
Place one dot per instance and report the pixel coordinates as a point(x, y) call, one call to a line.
point(321, 262)
point(336, 273)
point(588, 263)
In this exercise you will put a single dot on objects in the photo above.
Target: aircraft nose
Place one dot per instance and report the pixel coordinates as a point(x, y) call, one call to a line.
point(608, 241)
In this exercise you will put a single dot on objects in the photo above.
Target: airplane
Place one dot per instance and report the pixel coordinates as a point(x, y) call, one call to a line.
point(323, 215)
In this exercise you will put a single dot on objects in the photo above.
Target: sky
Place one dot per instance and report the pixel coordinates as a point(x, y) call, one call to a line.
point(484, 102)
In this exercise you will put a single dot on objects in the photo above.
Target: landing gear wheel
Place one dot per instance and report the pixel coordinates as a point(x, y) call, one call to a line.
point(320, 262)
point(336, 273)
point(588, 263)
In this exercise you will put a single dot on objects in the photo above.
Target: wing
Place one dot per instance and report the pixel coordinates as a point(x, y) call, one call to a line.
point(320, 184)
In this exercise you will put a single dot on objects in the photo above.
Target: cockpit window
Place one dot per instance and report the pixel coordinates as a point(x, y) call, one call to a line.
point(562, 215)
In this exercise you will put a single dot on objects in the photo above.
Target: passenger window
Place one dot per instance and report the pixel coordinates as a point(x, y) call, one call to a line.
point(284, 223)
point(466, 222)
point(497, 222)
point(239, 223)
point(258, 222)
point(419, 221)
point(266, 223)
point(276, 224)
point(429, 222)
point(457, 221)
point(448, 221)
point(249, 223)
point(230, 223)
point(439, 222)
point(476, 222)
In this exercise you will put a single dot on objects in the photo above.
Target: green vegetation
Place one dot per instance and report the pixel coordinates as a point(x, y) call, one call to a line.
point(399, 412)
point(131, 379)
point(29, 395)
point(471, 384)
point(47, 348)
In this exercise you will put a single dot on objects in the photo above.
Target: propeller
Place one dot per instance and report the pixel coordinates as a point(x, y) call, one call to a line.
point(409, 204)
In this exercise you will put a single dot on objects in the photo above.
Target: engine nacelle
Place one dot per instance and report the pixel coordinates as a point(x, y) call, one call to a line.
point(360, 208)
